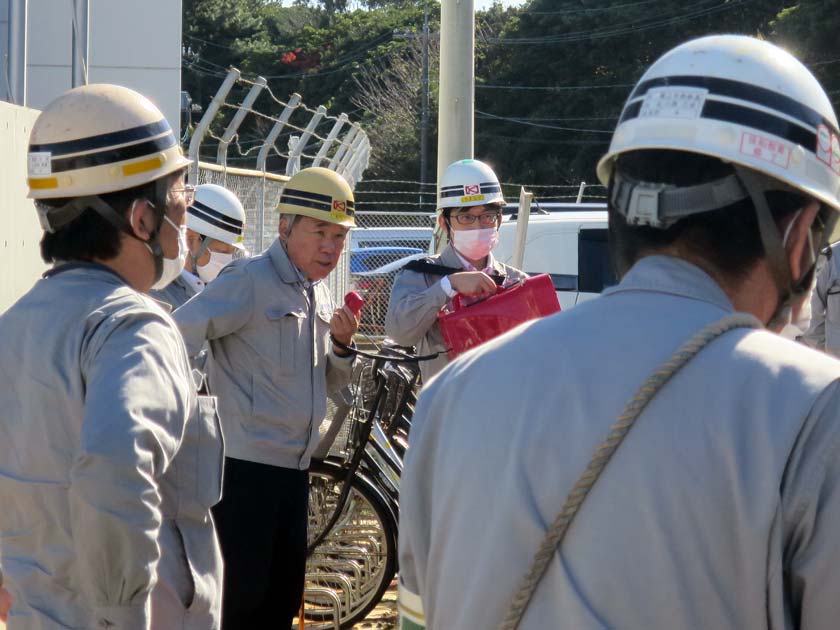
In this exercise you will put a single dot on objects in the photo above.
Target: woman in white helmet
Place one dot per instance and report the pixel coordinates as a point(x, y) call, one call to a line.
point(109, 461)
point(470, 206)
point(215, 237)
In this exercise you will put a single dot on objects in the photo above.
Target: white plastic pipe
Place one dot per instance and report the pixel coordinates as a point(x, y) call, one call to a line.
point(524, 213)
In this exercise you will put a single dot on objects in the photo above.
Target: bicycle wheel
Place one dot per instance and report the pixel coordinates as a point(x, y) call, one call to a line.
point(355, 563)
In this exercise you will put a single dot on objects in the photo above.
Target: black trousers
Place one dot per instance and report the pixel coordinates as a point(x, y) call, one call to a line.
point(262, 521)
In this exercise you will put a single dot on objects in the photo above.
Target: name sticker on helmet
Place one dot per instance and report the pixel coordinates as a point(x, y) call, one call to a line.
point(39, 163)
point(828, 148)
point(673, 102)
point(767, 149)
point(469, 198)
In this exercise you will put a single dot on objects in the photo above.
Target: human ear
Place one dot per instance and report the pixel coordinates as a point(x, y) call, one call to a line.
point(141, 219)
point(798, 246)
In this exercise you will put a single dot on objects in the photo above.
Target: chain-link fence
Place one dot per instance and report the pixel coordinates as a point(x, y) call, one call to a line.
point(374, 250)
point(259, 193)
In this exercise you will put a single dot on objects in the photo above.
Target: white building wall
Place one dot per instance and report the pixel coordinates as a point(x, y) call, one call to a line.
point(136, 44)
point(20, 254)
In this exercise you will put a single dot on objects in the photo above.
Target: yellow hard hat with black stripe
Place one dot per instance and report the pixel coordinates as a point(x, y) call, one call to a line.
point(97, 139)
point(319, 193)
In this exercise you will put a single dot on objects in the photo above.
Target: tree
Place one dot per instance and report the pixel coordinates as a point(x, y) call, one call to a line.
point(389, 93)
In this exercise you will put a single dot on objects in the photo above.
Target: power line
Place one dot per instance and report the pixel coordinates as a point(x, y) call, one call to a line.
point(339, 64)
point(625, 29)
point(541, 126)
point(541, 140)
point(553, 88)
point(629, 5)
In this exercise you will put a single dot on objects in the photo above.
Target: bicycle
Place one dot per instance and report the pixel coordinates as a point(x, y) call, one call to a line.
point(354, 491)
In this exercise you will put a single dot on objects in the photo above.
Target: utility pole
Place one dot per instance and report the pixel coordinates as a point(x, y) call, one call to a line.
point(17, 50)
point(424, 96)
point(457, 82)
point(81, 42)
point(424, 115)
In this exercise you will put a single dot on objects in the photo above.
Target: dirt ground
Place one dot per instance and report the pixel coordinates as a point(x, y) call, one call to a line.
point(383, 617)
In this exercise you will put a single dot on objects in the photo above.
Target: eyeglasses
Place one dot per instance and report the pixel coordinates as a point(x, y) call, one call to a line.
point(188, 191)
point(488, 219)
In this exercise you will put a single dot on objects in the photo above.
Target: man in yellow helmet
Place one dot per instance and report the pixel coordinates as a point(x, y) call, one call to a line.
point(268, 320)
point(109, 461)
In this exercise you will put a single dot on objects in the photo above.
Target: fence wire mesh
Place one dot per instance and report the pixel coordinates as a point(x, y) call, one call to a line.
point(373, 249)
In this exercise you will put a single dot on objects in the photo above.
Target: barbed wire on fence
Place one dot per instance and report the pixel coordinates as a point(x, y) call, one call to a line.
point(323, 139)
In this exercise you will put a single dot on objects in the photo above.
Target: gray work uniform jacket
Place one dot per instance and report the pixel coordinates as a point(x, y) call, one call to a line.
point(176, 293)
point(720, 510)
point(109, 462)
point(416, 299)
point(273, 363)
point(824, 330)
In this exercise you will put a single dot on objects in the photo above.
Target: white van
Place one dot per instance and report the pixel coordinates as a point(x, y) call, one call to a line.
point(570, 245)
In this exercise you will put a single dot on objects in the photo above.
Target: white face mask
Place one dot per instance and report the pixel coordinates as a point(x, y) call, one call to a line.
point(172, 267)
point(474, 244)
point(217, 261)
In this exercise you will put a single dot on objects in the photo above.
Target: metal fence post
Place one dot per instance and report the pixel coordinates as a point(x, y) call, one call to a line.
point(296, 152)
point(206, 119)
point(325, 146)
point(345, 145)
point(236, 121)
point(262, 156)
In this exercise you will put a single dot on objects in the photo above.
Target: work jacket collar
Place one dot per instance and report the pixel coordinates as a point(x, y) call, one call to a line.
point(284, 267)
point(667, 274)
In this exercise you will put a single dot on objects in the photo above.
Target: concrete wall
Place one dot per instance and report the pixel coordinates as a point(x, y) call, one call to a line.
point(136, 44)
point(20, 260)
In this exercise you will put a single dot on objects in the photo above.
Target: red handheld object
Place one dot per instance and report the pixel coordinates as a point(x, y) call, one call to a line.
point(354, 302)
point(464, 327)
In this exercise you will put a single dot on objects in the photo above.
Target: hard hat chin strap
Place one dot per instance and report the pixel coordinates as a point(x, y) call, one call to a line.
point(774, 249)
point(205, 245)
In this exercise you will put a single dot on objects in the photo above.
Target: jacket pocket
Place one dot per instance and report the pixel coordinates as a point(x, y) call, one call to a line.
point(211, 453)
point(291, 323)
point(322, 332)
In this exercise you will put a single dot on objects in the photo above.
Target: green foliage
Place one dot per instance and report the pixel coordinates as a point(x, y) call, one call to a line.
point(551, 76)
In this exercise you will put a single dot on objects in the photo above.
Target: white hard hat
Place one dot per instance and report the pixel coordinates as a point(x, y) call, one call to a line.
point(217, 212)
point(739, 99)
point(468, 183)
point(98, 139)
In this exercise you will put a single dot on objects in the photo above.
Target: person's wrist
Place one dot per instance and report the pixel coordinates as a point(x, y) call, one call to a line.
point(339, 351)
point(446, 285)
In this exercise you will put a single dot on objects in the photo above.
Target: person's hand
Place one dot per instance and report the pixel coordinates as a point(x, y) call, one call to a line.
point(343, 326)
point(472, 283)
point(5, 604)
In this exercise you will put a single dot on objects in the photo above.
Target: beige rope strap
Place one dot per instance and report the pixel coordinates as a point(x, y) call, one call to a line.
point(618, 431)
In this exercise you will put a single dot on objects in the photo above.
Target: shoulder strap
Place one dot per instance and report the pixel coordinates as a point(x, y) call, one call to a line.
point(425, 265)
point(618, 431)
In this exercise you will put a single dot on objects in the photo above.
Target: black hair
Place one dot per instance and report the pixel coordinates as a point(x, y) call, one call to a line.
point(728, 239)
point(91, 236)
